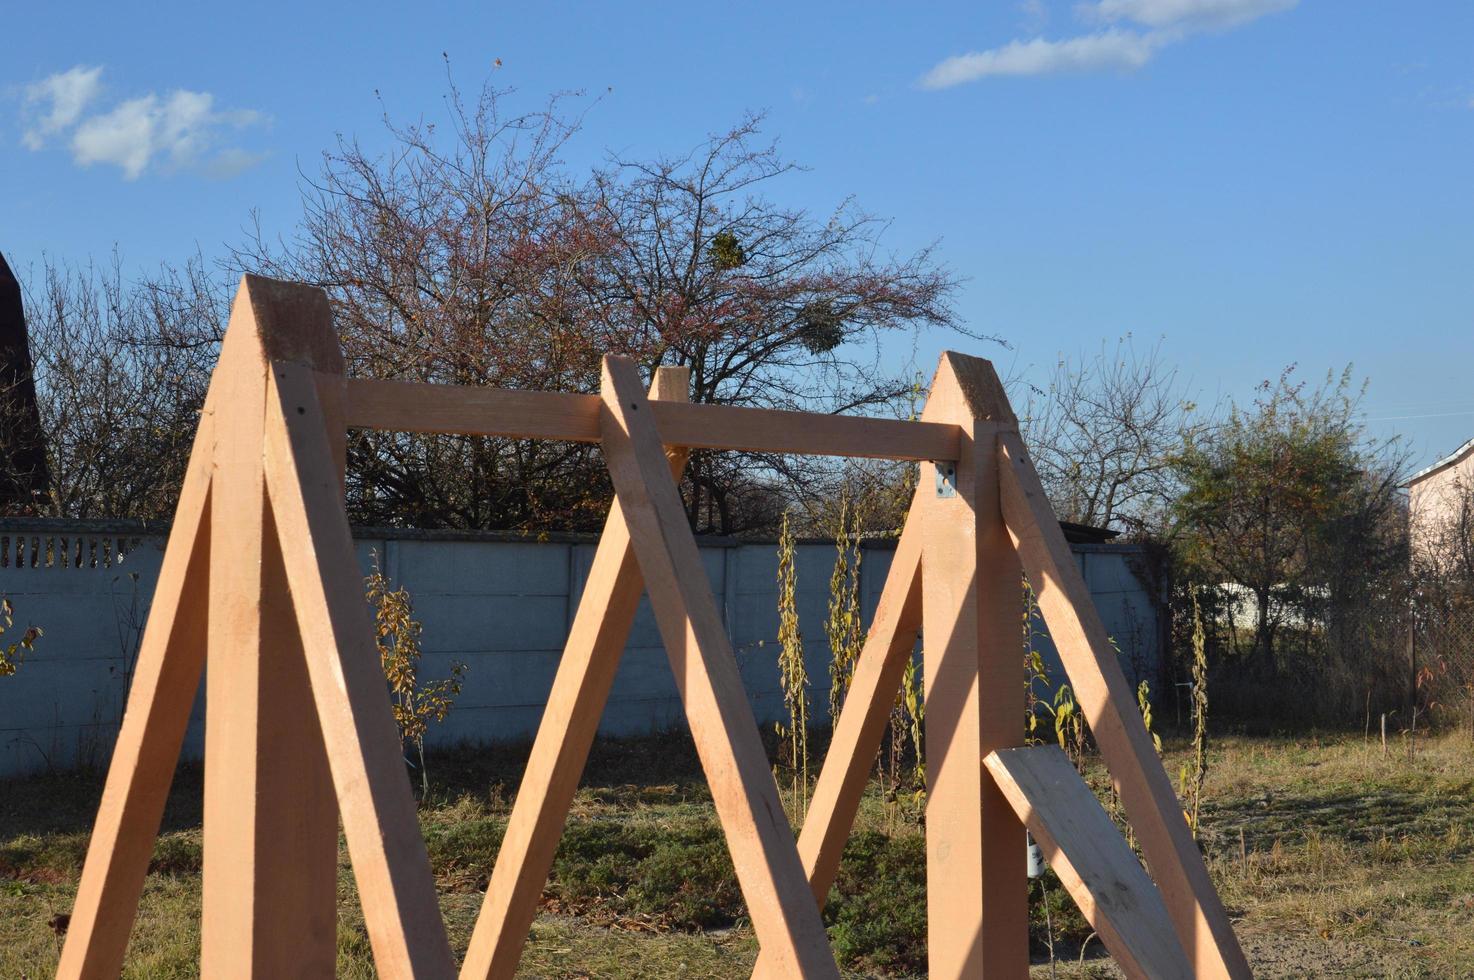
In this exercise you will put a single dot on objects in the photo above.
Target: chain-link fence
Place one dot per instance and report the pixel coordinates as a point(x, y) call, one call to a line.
point(1341, 664)
point(1441, 655)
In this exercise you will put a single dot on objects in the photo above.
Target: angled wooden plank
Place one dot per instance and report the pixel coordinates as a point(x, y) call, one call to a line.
point(165, 680)
point(784, 914)
point(400, 906)
point(1110, 707)
point(862, 722)
point(976, 876)
point(270, 824)
point(606, 611)
point(1091, 859)
point(404, 406)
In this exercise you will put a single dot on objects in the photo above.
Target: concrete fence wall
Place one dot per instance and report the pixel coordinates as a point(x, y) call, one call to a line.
point(500, 604)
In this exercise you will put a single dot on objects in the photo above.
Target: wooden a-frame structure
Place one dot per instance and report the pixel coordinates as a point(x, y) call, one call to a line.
point(260, 579)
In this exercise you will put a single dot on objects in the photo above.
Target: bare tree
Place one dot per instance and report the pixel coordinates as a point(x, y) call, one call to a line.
point(473, 256)
point(451, 258)
point(769, 306)
point(121, 369)
point(1103, 434)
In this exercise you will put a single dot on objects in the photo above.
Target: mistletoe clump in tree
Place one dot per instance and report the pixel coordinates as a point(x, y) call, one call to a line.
point(471, 254)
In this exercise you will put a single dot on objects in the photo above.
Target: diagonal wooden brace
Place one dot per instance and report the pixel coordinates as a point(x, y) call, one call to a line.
point(783, 911)
point(400, 906)
point(170, 661)
point(1092, 860)
point(1108, 701)
point(606, 612)
point(270, 883)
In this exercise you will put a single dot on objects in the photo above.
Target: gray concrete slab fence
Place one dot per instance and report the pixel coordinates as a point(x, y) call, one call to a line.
point(500, 603)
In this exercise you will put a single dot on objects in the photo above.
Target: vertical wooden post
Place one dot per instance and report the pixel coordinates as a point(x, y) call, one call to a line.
point(270, 820)
point(365, 753)
point(977, 885)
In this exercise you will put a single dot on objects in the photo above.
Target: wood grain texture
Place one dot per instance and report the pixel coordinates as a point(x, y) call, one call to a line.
point(269, 904)
point(397, 891)
point(293, 323)
point(784, 914)
point(606, 612)
point(1087, 852)
point(977, 887)
point(1109, 706)
point(411, 407)
point(166, 677)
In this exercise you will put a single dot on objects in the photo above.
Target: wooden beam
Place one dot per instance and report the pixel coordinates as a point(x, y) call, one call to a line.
point(862, 722)
point(1110, 708)
point(783, 911)
point(165, 680)
point(270, 823)
point(1087, 852)
point(976, 878)
point(365, 756)
point(404, 406)
point(606, 612)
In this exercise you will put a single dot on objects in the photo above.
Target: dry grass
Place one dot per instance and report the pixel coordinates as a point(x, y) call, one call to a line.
point(1333, 859)
point(1351, 848)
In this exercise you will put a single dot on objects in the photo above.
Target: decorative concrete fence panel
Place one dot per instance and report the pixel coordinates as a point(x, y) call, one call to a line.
point(498, 603)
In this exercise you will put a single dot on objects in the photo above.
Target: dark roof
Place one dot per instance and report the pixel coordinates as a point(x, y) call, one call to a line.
point(1085, 534)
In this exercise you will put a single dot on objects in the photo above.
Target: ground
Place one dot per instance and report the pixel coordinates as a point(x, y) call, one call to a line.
point(1334, 859)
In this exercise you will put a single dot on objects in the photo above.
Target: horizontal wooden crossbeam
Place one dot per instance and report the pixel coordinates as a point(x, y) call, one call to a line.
point(282, 614)
point(405, 406)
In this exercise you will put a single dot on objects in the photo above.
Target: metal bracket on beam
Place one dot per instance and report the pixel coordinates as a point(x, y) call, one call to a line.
point(946, 478)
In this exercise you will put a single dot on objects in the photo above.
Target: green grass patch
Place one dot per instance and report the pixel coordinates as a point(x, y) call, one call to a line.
point(1331, 857)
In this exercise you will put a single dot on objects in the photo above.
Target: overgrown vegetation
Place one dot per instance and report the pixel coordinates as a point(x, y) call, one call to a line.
point(1195, 772)
point(844, 628)
point(397, 632)
point(1289, 516)
point(793, 676)
point(1281, 518)
point(1332, 860)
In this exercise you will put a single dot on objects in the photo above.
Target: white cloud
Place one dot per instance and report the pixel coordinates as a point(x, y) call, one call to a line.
point(1034, 15)
point(123, 136)
point(1158, 24)
point(1192, 15)
point(180, 130)
point(231, 161)
point(1113, 49)
point(57, 101)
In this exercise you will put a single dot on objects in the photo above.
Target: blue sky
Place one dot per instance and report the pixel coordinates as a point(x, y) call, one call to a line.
point(1257, 182)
